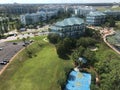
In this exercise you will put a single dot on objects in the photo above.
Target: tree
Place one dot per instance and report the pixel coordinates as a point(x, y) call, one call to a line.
point(110, 80)
point(69, 44)
point(78, 53)
point(86, 41)
point(53, 38)
point(24, 40)
point(18, 25)
point(89, 32)
point(112, 22)
point(90, 56)
point(1, 28)
point(61, 50)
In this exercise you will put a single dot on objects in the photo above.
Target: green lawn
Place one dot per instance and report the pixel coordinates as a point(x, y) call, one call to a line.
point(104, 51)
point(104, 8)
point(41, 72)
point(117, 25)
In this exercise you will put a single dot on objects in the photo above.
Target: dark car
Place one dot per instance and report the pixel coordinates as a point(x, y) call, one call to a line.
point(27, 43)
point(14, 43)
point(24, 45)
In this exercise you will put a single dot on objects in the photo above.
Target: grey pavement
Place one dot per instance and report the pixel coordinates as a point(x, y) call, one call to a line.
point(9, 50)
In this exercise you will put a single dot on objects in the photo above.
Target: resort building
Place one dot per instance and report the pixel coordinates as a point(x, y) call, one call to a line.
point(50, 12)
point(115, 14)
point(83, 11)
point(41, 15)
point(95, 18)
point(70, 27)
point(32, 18)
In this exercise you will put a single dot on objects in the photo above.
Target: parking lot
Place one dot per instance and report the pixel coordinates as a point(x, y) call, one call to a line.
point(8, 50)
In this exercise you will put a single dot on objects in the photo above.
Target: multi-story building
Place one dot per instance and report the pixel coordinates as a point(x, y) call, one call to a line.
point(32, 18)
point(18, 8)
point(95, 18)
point(83, 11)
point(41, 15)
point(70, 27)
point(115, 14)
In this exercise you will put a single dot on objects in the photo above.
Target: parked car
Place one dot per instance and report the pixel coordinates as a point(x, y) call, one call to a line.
point(3, 63)
point(1, 49)
point(14, 43)
point(24, 45)
point(27, 43)
point(6, 60)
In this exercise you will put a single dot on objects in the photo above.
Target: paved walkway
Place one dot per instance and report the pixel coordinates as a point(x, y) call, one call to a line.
point(110, 45)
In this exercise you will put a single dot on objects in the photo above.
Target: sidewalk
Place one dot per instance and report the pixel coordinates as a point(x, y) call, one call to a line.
point(8, 39)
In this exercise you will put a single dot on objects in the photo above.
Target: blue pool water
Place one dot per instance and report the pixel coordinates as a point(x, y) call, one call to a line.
point(78, 81)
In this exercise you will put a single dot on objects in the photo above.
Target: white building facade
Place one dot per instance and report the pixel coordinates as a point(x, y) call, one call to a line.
point(83, 11)
point(70, 27)
point(41, 15)
point(95, 18)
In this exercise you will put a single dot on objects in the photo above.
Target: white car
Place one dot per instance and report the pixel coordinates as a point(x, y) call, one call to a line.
point(1, 49)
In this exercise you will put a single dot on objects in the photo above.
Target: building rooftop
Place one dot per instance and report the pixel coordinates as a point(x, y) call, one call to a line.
point(70, 21)
point(87, 8)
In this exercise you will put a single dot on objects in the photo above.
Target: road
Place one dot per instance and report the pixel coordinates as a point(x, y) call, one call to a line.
point(25, 34)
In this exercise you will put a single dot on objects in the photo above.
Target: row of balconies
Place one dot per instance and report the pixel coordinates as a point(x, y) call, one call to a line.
point(69, 30)
point(71, 34)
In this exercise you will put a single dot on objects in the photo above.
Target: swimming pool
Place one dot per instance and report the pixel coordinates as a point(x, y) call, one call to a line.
point(78, 81)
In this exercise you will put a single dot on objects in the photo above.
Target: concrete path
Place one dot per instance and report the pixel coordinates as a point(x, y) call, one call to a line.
point(104, 38)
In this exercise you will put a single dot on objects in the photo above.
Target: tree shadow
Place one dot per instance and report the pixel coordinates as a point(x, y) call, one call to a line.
point(64, 57)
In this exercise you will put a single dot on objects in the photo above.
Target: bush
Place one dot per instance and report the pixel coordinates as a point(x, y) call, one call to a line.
point(85, 42)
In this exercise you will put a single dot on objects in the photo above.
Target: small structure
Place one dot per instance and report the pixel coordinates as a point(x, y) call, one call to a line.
point(83, 60)
point(93, 48)
point(78, 81)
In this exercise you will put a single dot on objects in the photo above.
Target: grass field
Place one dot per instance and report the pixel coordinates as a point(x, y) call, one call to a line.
point(41, 72)
point(117, 26)
point(104, 52)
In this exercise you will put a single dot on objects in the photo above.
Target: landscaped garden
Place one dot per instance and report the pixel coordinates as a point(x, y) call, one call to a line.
point(41, 69)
